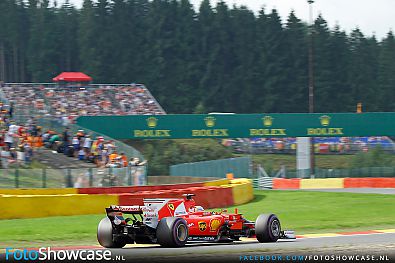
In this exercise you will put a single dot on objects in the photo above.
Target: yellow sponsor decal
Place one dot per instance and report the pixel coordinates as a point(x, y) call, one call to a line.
point(171, 206)
point(214, 224)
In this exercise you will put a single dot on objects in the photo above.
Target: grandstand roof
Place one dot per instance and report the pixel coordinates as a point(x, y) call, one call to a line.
point(72, 77)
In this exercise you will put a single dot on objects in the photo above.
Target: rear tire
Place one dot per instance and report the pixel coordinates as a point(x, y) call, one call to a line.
point(172, 232)
point(267, 228)
point(105, 235)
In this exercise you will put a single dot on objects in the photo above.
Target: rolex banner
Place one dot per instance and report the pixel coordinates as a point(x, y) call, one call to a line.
point(241, 125)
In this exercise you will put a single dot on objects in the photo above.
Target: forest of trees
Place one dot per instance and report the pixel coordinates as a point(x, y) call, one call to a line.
point(218, 58)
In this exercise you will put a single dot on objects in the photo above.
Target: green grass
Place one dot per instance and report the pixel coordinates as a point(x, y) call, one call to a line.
point(314, 212)
point(304, 212)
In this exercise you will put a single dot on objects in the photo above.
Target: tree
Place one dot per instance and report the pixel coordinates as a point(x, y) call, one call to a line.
point(323, 74)
point(295, 93)
point(362, 70)
point(271, 66)
point(386, 74)
point(87, 39)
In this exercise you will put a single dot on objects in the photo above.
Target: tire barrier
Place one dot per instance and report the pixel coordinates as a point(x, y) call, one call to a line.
point(217, 182)
point(383, 182)
point(31, 206)
point(369, 182)
point(242, 191)
point(31, 203)
point(321, 183)
point(286, 183)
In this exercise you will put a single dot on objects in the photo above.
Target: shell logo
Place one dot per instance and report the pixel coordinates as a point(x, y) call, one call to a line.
point(215, 224)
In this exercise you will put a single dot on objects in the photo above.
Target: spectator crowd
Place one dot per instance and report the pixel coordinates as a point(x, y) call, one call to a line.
point(17, 142)
point(322, 145)
point(65, 103)
point(82, 146)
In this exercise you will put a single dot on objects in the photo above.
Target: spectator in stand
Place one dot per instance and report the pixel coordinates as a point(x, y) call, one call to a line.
point(11, 110)
point(87, 144)
point(110, 146)
point(28, 153)
point(54, 137)
point(8, 139)
point(104, 157)
point(76, 144)
point(124, 159)
point(65, 139)
point(81, 155)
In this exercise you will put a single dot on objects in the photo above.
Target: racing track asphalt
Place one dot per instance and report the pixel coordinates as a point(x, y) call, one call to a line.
point(382, 244)
point(363, 244)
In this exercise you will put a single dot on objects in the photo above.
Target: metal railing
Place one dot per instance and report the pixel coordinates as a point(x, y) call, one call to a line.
point(53, 124)
point(77, 178)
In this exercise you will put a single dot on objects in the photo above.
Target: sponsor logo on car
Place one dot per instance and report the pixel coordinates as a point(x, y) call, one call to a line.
point(171, 206)
point(201, 238)
point(214, 224)
point(127, 208)
point(202, 225)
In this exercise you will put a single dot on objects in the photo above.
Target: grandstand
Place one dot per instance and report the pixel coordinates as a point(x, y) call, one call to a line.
point(42, 111)
point(68, 102)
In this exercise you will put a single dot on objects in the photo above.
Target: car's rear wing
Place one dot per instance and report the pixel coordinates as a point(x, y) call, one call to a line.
point(133, 209)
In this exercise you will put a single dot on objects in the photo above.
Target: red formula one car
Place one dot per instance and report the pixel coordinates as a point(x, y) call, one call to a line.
point(174, 222)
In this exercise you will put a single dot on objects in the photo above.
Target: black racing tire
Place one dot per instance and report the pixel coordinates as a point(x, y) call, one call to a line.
point(172, 232)
point(105, 235)
point(267, 228)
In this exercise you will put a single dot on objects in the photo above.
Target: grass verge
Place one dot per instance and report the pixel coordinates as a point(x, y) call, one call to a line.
point(304, 212)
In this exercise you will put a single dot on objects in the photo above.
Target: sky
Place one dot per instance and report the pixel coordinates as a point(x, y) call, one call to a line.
point(370, 16)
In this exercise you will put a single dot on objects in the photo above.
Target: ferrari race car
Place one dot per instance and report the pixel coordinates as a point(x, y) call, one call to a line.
point(174, 222)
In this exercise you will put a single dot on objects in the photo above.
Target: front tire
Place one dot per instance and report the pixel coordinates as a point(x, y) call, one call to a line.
point(105, 235)
point(172, 232)
point(267, 228)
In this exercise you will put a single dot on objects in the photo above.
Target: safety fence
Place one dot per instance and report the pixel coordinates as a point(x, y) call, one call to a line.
point(56, 125)
point(83, 177)
point(239, 167)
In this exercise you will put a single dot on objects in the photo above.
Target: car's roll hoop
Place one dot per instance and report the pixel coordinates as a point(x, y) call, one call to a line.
point(188, 196)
